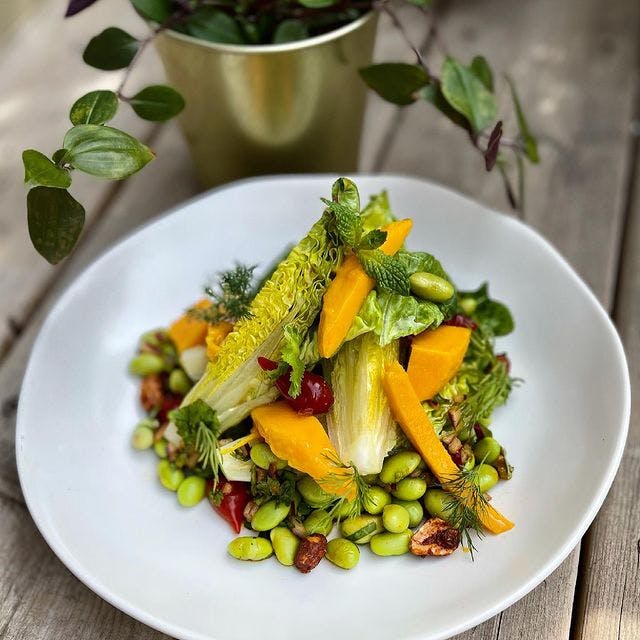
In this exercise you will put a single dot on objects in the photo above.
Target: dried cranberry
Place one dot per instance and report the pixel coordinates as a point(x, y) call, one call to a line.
point(457, 457)
point(315, 393)
point(478, 430)
point(461, 321)
point(170, 401)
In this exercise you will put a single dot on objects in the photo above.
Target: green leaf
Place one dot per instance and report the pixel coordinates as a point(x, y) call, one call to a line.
point(188, 418)
point(492, 316)
point(95, 107)
point(395, 82)
point(156, 10)
point(348, 222)
point(157, 102)
point(111, 49)
point(55, 221)
point(345, 192)
point(104, 151)
point(317, 4)
point(213, 25)
point(373, 240)
point(291, 354)
point(290, 31)
point(529, 141)
point(467, 95)
point(390, 274)
point(481, 70)
point(433, 94)
point(39, 170)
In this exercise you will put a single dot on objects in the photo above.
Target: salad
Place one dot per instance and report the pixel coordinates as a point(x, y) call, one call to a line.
point(343, 400)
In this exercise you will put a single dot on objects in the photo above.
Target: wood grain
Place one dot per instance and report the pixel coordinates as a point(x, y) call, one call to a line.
point(609, 602)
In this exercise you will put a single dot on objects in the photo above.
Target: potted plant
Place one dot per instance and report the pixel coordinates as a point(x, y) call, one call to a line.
point(262, 86)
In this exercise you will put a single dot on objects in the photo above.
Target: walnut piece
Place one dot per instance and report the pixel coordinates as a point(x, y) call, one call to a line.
point(434, 538)
point(151, 393)
point(310, 551)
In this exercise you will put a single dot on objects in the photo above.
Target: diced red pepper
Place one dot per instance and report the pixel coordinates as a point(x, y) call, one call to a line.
point(231, 501)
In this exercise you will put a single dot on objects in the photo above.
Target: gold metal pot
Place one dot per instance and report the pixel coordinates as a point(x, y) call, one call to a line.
point(250, 110)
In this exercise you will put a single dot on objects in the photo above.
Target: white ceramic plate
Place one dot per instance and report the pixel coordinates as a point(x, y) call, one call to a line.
point(100, 508)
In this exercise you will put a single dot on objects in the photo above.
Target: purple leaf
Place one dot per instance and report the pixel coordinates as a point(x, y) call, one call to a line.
point(76, 6)
point(493, 146)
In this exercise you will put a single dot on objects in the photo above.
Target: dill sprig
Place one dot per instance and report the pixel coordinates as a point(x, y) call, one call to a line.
point(347, 482)
point(465, 505)
point(231, 296)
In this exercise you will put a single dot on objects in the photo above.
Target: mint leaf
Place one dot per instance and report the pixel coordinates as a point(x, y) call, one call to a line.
point(467, 94)
point(373, 240)
point(345, 192)
point(55, 221)
point(104, 151)
point(291, 354)
point(95, 107)
point(395, 82)
point(348, 222)
point(389, 273)
point(39, 170)
point(157, 102)
point(111, 49)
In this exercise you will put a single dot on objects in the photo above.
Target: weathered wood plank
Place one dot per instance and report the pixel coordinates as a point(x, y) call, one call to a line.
point(41, 74)
point(575, 197)
point(609, 604)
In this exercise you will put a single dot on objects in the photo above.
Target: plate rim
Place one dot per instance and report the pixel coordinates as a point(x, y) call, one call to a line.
point(103, 591)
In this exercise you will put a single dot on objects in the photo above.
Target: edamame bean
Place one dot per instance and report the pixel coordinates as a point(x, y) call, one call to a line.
point(285, 545)
point(468, 305)
point(142, 438)
point(414, 509)
point(470, 463)
point(399, 466)
point(169, 475)
point(318, 521)
point(191, 491)
point(345, 509)
point(410, 489)
point(487, 450)
point(145, 364)
point(395, 518)
point(343, 553)
point(269, 515)
point(179, 382)
point(431, 287)
point(390, 544)
point(487, 477)
point(160, 448)
point(436, 502)
point(375, 500)
point(361, 528)
point(247, 548)
point(312, 493)
point(263, 457)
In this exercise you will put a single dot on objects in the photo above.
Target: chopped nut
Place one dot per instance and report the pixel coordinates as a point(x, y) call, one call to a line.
point(151, 394)
point(434, 538)
point(311, 550)
point(250, 510)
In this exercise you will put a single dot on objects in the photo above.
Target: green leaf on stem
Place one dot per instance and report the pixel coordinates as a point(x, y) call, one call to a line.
point(290, 31)
point(55, 221)
point(433, 94)
point(317, 4)
point(395, 82)
point(467, 95)
point(104, 151)
point(96, 107)
point(156, 10)
point(481, 69)
point(39, 170)
point(213, 25)
point(111, 49)
point(157, 102)
point(58, 155)
point(529, 141)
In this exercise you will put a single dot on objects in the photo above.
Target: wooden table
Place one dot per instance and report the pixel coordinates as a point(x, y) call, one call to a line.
point(576, 63)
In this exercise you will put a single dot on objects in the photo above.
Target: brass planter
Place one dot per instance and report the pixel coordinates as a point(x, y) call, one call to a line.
point(295, 107)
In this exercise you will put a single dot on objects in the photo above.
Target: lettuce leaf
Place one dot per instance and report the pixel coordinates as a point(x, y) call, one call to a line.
point(290, 300)
point(391, 316)
point(360, 423)
point(377, 213)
